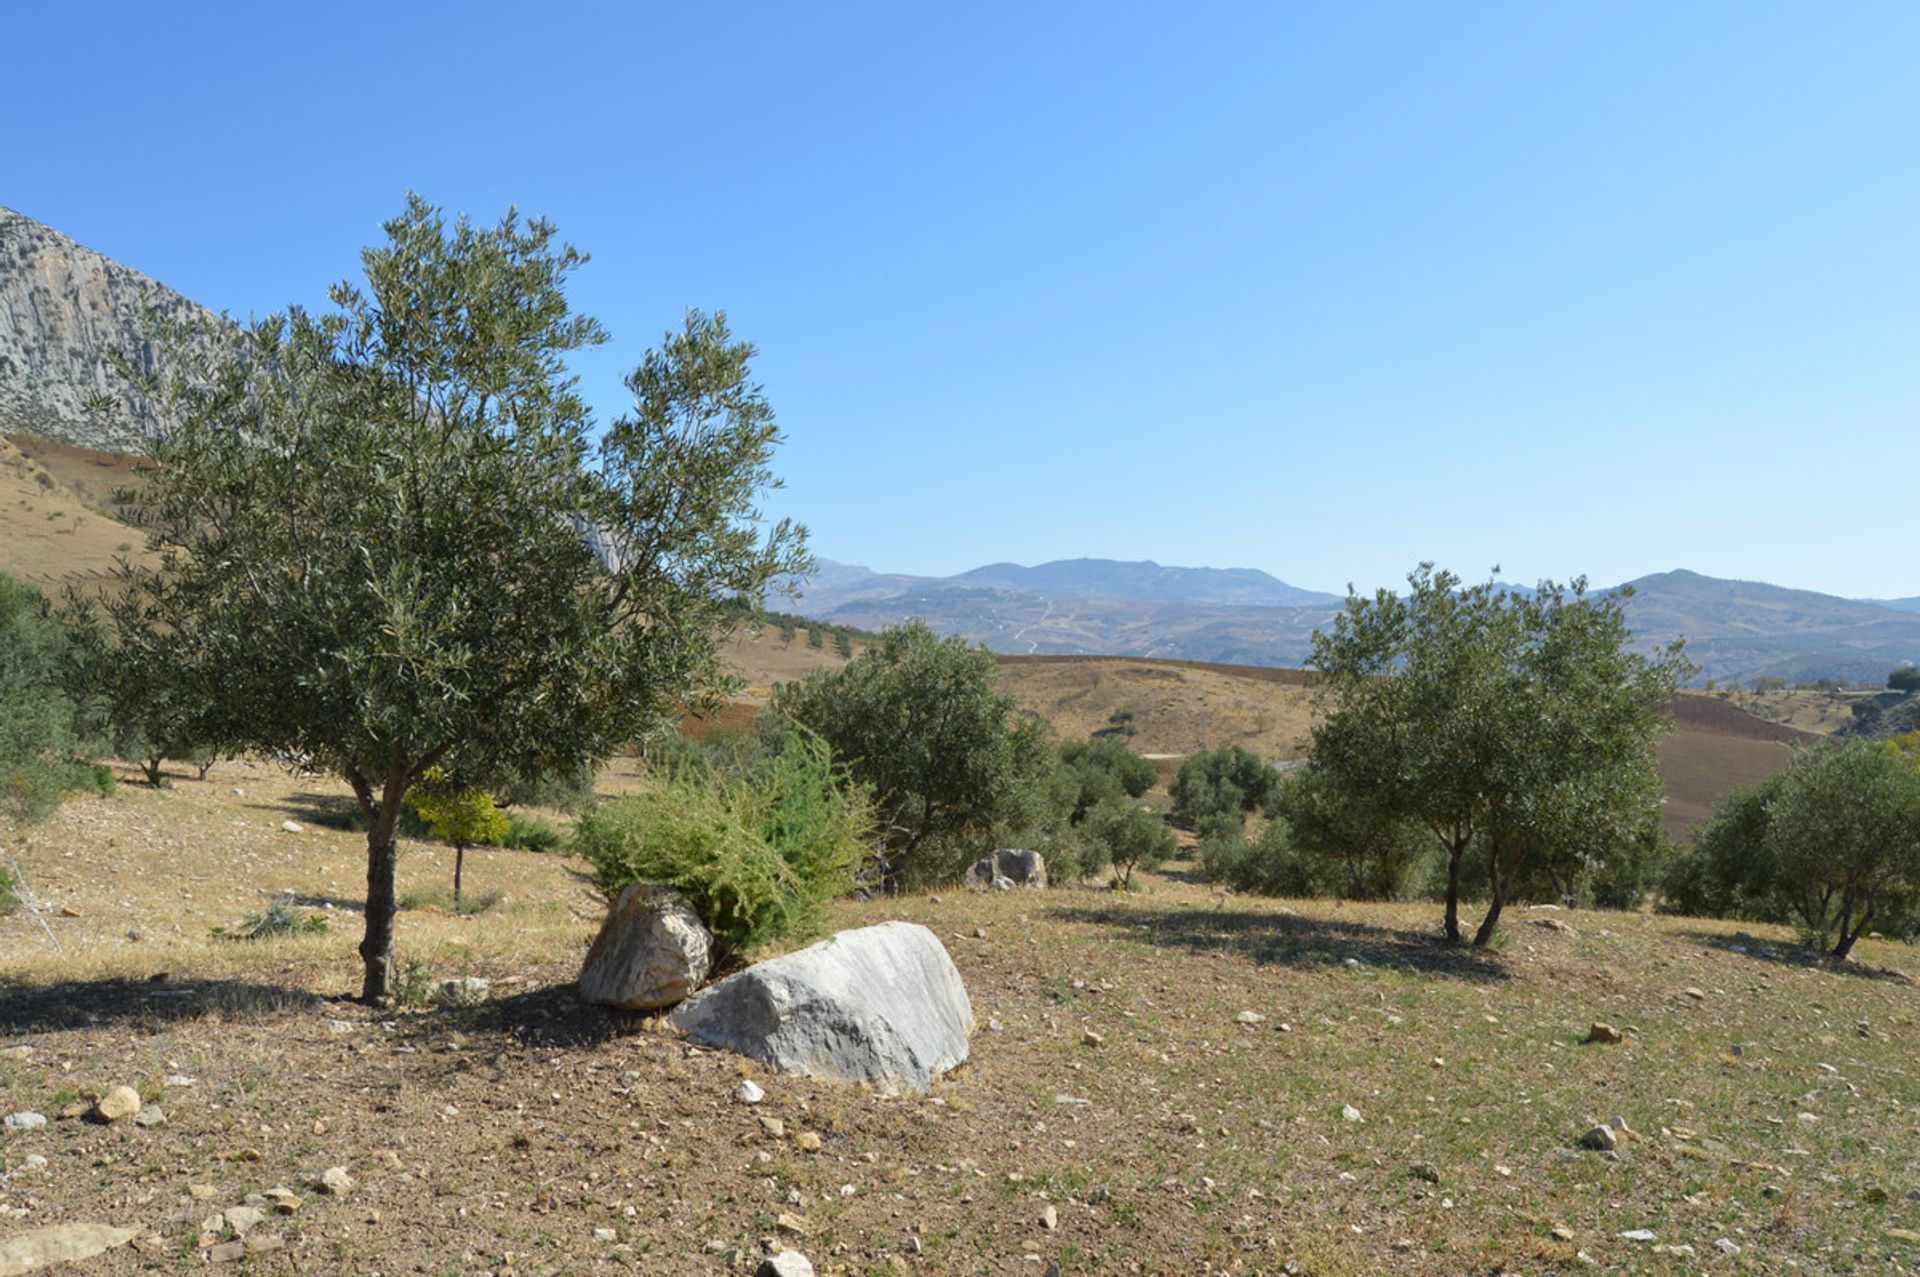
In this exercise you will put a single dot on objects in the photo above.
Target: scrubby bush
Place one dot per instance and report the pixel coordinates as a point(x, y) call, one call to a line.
point(1134, 838)
point(530, 833)
point(1905, 679)
point(1225, 780)
point(38, 736)
point(1104, 768)
point(756, 855)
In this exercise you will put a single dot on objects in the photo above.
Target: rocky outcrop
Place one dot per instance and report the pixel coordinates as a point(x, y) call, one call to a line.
point(652, 952)
point(64, 311)
point(1015, 868)
point(880, 1004)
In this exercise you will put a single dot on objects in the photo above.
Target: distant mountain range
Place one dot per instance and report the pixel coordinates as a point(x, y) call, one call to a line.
point(1735, 630)
point(65, 310)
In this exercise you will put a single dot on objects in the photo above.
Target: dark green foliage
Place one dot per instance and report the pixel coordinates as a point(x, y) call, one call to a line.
point(38, 716)
point(1905, 679)
point(917, 720)
point(9, 891)
point(1517, 730)
point(1832, 844)
point(568, 790)
point(530, 833)
point(1134, 839)
point(1368, 852)
point(1225, 780)
point(386, 537)
point(757, 853)
point(1095, 770)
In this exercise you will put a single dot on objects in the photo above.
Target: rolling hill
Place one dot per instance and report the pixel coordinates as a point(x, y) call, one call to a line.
point(1736, 631)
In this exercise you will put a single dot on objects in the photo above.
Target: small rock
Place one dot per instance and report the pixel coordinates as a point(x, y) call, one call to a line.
point(151, 1115)
point(1089, 1038)
point(1601, 1139)
point(1637, 1235)
point(807, 1142)
point(1249, 1017)
point(292, 827)
point(788, 1222)
point(788, 1263)
point(1772, 1190)
point(749, 1091)
point(282, 1199)
point(604, 1235)
point(1552, 924)
point(773, 1127)
point(1603, 1032)
point(119, 1102)
point(1562, 1233)
point(334, 1181)
point(1049, 1218)
point(1698, 995)
point(1351, 1113)
point(25, 1121)
point(1727, 1246)
point(242, 1218)
point(202, 1192)
point(1425, 1171)
point(227, 1252)
point(464, 992)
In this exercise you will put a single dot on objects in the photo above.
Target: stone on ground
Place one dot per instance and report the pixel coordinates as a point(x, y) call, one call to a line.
point(652, 952)
point(119, 1102)
point(1603, 1032)
point(876, 1004)
point(788, 1263)
point(59, 1244)
point(1019, 868)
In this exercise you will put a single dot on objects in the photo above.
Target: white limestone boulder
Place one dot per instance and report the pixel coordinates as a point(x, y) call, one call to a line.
point(881, 1004)
point(652, 952)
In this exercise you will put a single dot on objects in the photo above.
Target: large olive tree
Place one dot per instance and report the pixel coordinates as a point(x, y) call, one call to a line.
point(1519, 725)
point(387, 540)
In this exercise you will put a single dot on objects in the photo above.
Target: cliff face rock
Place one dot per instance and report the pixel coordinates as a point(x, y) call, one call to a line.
point(63, 310)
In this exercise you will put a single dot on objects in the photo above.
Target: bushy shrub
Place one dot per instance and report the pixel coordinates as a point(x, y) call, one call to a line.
point(1272, 864)
point(1228, 779)
point(1104, 768)
point(530, 833)
point(9, 891)
point(36, 713)
point(756, 855)
point(1135, 839)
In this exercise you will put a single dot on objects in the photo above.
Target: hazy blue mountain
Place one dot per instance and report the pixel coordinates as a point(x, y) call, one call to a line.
point(1898, 605)
point(1147, 582)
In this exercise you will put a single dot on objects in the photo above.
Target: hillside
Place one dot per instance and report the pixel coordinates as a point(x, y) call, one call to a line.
point(64, 310)
point(50, 535)
point(1736, 631)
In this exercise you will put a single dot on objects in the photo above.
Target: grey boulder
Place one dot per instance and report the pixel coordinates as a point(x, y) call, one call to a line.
point(652, 952)
point(878, 1004)
point(1019, 868)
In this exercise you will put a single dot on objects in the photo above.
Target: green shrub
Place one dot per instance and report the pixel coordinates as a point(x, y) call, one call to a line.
point(1273, 864)
point(1135, 839)
point(278, 919)
point(756, 855)
point(1226, 779)
point(530, 833)
point(9, 891)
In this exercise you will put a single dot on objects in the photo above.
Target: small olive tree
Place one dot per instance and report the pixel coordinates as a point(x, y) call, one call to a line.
point(464, 815)
point(386, 538)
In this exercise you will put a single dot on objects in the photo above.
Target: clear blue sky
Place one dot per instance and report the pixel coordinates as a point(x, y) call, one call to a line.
point(1321, 289)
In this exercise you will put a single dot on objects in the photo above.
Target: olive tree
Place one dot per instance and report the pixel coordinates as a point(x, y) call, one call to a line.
point(1522, 726)
point(385, 538)
point(917, 719)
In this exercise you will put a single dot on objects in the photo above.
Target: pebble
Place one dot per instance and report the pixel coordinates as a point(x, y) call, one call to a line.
point(1049, 1218)
point(1601, 1139)
point(1603, 1032)
point(1351, 1113)
point(773, 1126)
point(788, 1222)
point(151, 1115)
point(25, 1121)
point(1249, 1017)
point(1727, 1246)
point(1637, 1235)
point(292, 827)
point(604, 1235)
point(1089, 1038)
point(282, 1199)
point(749, 1092)
point(807, 1142)
point(335, 1181)
point(242, 1218)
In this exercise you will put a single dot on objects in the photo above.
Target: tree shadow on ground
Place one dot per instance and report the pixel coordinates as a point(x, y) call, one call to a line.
point(84, 1004)
point(1294, 940)
point(1797, 956)
point(329, 811)
point(554, 1016)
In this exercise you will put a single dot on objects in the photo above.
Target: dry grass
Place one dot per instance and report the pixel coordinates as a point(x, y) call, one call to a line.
point(499, 1138)
point(49, 535)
